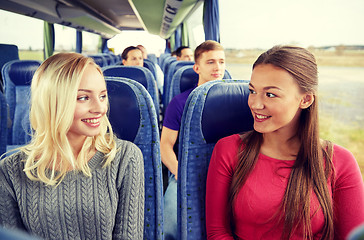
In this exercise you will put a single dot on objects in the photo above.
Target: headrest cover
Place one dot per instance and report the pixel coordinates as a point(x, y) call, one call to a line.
point(99, 60)
point(21, 72)
point(226, 111)
point(131, 72)
point(188, 80)
point(124, 110)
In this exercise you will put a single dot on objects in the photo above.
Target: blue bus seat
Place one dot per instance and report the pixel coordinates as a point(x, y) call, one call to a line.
point(150, 65)
point(110, 60)
point(174, 66)
point(153, 68)
point(15, 234)
point(8, 52)
point(162, 57)
point(184, 79)
point(139, 74)
point(357, 233)
point(153, 58)
point(166, 63)
point(18, 75)
point(133, 118)
point(213, 110)
point(3, 124)
point(99, 59)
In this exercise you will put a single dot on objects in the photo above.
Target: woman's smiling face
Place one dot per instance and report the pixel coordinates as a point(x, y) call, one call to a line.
point(91, 105)
point(275, 100)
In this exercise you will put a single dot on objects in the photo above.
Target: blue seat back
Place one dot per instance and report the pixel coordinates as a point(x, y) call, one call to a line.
point(99, 60)
point(162, 58)
point(18, 75)
point(174, 66)
point(110, 60)
point(139, 74)
point(150, 65)
point(184, 79)
point(153, 58)
point(3, 124)
point(133, 118)
point(15, 234)
point(357, 233)
point(213, 110)
point(166, 64)
point(153, 68)
point(8, 53)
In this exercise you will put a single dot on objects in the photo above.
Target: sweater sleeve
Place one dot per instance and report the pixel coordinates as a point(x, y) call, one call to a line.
point(9, 211)
point(129, 222)
point(348, 193)
point(217, 188)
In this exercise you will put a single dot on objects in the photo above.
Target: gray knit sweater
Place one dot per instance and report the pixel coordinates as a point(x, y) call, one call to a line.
point(108, 205)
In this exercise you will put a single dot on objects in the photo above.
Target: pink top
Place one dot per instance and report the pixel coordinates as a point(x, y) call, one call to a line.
point(260, 198)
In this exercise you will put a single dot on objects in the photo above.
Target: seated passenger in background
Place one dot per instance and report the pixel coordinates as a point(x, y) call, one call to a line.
point(184, 53)
point(144, 51)
point(75, 179)
point(209, 65)
point(280, 180)
point(132, 56)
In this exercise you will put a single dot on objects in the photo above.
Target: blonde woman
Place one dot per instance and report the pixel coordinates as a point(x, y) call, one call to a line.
point(74, 180)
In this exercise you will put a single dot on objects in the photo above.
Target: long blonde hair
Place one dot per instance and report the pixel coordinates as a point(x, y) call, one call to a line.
point(53, 101)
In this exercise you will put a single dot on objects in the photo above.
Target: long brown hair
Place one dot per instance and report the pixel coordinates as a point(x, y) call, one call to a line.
point(312, 168)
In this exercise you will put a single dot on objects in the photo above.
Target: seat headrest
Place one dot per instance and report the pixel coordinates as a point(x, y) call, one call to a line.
point(8, 53)
point(21, 71)
point(132, 72)
point(226, 111)
point(124, 113)
point(189, 79)
point(99, 60)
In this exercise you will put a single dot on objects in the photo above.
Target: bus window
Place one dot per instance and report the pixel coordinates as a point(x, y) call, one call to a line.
point(65, 40)
point(24, 32)
point(153, 43)
point(90, 43)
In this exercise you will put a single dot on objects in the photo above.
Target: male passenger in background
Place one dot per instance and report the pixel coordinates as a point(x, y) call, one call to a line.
point(132, 56)
point(209, 65)
point(184, 53)
point(144, 51)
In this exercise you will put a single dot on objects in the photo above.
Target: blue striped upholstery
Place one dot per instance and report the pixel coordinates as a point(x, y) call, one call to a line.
point(3, 124)
point(17, 76)
point(139, 74)
point(184, 79)
point(132, 116)
point(99, 59)
point(213, 110)
point(174, 66)
point(8, 52)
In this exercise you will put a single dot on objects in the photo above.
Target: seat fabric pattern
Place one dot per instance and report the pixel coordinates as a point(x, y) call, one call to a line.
point(3, 124)
point(139, 74)
point(213, 110)
point(17, 76)
point(133, 118)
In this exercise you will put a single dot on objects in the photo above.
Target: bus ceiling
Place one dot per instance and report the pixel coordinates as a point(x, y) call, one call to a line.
point(109, 17)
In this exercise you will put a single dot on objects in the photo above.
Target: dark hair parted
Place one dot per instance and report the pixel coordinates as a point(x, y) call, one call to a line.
point(179, 50)
point(313, 168)
point(124, 55)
